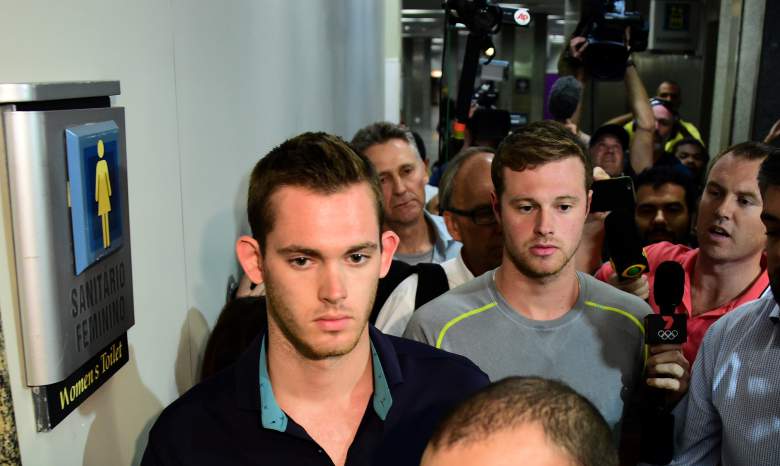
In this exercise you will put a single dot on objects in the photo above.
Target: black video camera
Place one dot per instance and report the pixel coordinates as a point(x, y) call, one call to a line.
point(605, 29)
point(486, 95)
point(477, 15)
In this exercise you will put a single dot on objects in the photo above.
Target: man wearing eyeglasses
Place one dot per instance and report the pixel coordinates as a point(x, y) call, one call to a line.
point(464, 192)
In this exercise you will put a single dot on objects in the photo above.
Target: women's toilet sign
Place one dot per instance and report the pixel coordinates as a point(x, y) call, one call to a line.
point(93, 168)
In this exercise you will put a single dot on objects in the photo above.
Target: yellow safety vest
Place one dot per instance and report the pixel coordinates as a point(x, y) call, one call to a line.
point(688, 130)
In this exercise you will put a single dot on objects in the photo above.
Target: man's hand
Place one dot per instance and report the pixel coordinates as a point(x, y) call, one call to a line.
point(668, 369)
point(588, 256)
point(773, 133)
point(597, 217)
point(571, 126)
point(637, 287)
point(577, 46)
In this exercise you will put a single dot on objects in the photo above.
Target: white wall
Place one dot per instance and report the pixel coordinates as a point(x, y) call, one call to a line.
point(208, 87)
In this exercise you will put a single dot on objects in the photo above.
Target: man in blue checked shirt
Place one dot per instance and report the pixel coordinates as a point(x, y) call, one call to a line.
point(733, 411)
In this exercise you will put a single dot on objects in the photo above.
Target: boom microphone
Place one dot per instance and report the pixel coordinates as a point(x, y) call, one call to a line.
point(564, 97)
point(624, 245)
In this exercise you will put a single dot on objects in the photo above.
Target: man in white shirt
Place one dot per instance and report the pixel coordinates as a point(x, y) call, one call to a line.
point(464, 193)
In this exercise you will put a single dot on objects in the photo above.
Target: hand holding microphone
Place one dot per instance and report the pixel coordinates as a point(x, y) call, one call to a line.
point(666, 332)
point(667, 369)
point(639, 287)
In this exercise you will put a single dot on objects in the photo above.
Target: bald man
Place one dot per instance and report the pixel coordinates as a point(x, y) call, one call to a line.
point(464, 194)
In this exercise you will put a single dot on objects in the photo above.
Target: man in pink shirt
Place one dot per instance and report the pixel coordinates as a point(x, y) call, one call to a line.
point(729, 267)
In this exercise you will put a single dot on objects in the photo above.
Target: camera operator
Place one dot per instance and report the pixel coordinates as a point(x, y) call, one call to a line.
point(641, 145)
point(671, 93)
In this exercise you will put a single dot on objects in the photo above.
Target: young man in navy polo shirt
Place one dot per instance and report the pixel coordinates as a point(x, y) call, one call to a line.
point(320, 386)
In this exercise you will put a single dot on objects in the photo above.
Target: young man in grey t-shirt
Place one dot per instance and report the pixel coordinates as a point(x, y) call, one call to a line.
point(535, 315)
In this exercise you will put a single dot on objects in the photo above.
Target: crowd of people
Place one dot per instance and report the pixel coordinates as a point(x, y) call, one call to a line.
point(387, 333)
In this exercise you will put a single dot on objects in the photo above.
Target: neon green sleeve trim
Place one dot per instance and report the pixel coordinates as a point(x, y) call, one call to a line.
point(454, 321)
point(619, 311)
point(624, 314)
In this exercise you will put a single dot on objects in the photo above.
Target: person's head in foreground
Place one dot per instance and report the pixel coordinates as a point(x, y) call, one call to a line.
point(525, 421)
point(315, 208)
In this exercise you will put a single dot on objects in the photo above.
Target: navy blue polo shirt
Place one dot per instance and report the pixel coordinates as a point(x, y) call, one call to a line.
point(233, 418)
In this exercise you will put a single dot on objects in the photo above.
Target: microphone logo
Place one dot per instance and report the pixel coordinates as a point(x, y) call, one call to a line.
point(668, 322)
point(666, 335)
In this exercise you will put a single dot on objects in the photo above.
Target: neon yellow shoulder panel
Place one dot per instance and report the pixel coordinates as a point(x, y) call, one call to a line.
point(628, 315)
point(460, 318)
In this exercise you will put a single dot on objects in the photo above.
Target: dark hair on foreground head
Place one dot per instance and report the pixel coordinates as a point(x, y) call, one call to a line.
point(319, 162)
point(769, 173)
point(744, 150)
point(569, 421)
point(447, 184)
point(536, 144)
point(381, 132)
point(661, 174)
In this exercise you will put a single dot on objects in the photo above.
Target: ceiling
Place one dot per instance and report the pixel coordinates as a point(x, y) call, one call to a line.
point(550, 7)
point(425, 18)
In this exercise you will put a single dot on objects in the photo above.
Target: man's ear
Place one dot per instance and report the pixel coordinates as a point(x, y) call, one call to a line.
point(495, 202)
point(250, 257)
point(452, 226)
point(390, 242)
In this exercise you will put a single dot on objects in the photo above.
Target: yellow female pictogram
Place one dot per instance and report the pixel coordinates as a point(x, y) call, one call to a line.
point(103, 193)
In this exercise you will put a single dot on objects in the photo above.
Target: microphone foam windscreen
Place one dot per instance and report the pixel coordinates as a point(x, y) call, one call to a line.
point(564, 97)
point(669, 284)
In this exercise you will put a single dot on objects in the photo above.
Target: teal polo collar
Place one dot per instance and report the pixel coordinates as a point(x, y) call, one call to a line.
point(274, 418)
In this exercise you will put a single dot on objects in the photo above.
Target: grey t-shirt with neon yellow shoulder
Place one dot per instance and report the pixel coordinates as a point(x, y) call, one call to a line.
point(597, 347)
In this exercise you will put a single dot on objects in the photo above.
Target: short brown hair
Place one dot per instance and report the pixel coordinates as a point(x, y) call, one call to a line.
point(316, 161)
point(536, 144)
point(568, 419)
point(749, 150)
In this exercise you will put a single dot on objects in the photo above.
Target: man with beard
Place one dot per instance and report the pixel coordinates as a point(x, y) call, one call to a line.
point(692, 153)
point(728, 268)
point(319, 386)
point(402, 175)
point(465, 191)
point(535, 315)
point(664, 205)
point(731, 416)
